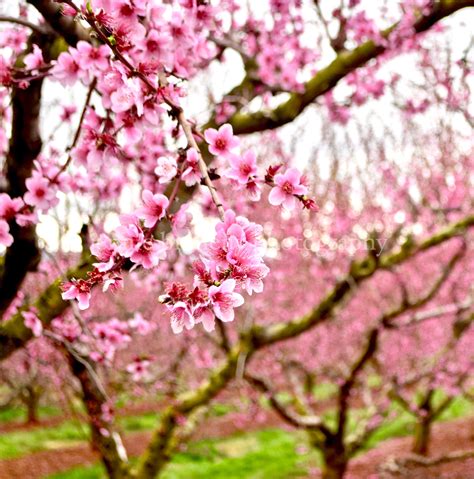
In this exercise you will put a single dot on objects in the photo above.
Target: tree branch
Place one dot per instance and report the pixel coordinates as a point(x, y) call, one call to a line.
point(345, 62)
point(65, 26)
point(23, 23)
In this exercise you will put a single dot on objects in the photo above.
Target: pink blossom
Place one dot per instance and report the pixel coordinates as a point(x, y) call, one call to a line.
point(40, 194)
point(129, 94)
point(224, 300)
point(166, 169)
point(129, 235)
point(9, 207)
point(154, 208)
point(6, 239)
point(149, 253)
point(112, 282)
point(66, 69)
point(254, 190)
point(191, 174)
point(287, 185)
point(104, 251)
point(181, 317)
point(180, 221)
point(242, 168)
point(221, 142)
point(32, 322)
point(34, 60)
point(92, 57)
point(204, 315)
point(139, 369)
point(68, 112)
point(79, 290)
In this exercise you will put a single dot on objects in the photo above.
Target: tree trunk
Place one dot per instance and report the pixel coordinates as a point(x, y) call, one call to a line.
point(333, 471)
point(31, 398)
point(422, 436)
point(335, 464)
point(32, 409)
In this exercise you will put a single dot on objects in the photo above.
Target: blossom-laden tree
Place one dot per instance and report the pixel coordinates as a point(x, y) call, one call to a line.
point(135, 178)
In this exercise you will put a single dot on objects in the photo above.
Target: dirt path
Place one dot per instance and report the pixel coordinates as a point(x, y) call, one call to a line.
point(447, 437)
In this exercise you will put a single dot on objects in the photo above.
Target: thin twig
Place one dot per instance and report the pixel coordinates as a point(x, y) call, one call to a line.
point(78, 129)
point(23, 23)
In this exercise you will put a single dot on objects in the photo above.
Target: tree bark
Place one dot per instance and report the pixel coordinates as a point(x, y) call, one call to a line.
point(335, 464)
point(31, 400)
point(422, 436)
point(104, 438)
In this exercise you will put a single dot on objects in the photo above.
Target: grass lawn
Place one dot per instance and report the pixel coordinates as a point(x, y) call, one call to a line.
point(270, 453)
point(71, 432)
point(18, 414)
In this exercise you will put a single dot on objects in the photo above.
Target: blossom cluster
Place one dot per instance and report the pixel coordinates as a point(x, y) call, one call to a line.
point(134, 242)
point(288, 187)
point(232, 262)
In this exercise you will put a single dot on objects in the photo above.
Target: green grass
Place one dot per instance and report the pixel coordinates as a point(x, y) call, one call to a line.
point(70, 432)
point(18, 414)
point(19, 443)
point(142, 422)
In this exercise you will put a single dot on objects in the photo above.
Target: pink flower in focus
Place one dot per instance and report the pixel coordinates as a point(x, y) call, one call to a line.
point(224, 300)
point(104, 251)
point(221, 142)
point(287, 185)
point(66, 69)
point(6, 239)
point(153, 209)
point(79, 290)
point(129, 235)
point(112, 282)
point(93, 57)
point(181, 317)
point(149, 253)
point(205, 316)
point(129, 94)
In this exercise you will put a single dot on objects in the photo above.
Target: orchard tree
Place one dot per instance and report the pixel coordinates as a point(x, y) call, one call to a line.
point(362, 370)
point(133, 177)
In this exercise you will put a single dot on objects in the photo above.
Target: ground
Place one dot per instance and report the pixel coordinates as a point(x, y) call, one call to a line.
point(252, 450)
